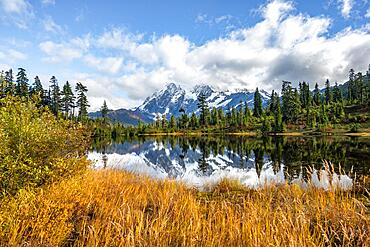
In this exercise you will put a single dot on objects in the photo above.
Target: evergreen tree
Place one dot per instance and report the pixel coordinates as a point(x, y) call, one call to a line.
point(37, 88)
point(278, 117)
point(221, 117)
point(272, 106)
point(247, 113)
point(203, 108)
point(234, 120)
point(305, 95)
point(22, 83)
point(316, 95)
point(214, 116)
point(193, 121)
point(257, 110)
point(291, 102)
point(55, 95)
point(351, 85)
point(164, 121)
point(68, 99)
point(266, 125)
point(337, 94)
point(359, 85)
point(239, 115)
point(104, 110)
point(82, 102)
point(328, 95)
point(172, 122)
point(9, 81)
point(2, 85)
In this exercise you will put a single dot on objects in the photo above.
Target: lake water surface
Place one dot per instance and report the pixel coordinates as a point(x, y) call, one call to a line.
point(202, 161)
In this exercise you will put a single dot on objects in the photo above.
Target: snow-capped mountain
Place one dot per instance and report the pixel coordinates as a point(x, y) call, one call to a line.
point(172, 98)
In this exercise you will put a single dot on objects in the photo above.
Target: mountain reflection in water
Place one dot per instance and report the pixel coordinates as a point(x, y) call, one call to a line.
point(202, 161)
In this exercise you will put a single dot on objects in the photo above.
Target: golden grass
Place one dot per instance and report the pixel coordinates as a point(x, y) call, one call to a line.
point(113, 208)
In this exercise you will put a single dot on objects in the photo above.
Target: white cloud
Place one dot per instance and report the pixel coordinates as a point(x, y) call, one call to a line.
point(274, 11)
point(108, 64)
point(118, 39)
point(282, 46)
point(11, 56)
point(367, 15)
point(15, 6)
point(202, 18)
point(222, 18)
point(18, 12)
point(51, 26)
point(60, 52)
point(48, 2)
point(346, 7)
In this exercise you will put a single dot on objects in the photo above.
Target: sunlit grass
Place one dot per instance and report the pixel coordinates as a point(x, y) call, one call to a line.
point(113, 208)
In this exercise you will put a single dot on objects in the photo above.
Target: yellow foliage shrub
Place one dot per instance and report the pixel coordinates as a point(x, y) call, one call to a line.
point(36, 147)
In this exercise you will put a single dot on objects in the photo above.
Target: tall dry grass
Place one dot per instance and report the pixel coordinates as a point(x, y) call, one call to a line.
point(112, 208)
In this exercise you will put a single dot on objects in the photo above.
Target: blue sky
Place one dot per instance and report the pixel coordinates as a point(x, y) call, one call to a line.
point(125, 50)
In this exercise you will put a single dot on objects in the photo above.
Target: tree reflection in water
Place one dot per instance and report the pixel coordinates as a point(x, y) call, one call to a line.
point(296, 154)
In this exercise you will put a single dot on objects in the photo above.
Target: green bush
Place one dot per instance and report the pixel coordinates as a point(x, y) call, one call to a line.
point(354, 127)
point(36, 147)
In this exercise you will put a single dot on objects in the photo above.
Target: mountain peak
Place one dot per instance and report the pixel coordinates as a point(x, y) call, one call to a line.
point(172, 98)
point(173, 87)
point(203, 89)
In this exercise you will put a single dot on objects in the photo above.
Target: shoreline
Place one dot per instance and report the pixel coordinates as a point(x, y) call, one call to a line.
point(255, 134)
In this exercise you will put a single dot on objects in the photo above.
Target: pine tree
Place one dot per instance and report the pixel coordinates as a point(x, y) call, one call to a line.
point(272, 106)
point(164, 121)
point(291, 102)
point(337, 94)
point(54, 95)
point(104, 110)
point(172, 122)
point(68, 99)
point(316, 95)
point(278, 117)
point(221, 118)
point(203, 108)
point(82, 102)
point(193, 121)
point(2, 85)
point(214, 116)
point(328, 95)
point(247, 113)
point(359, 87)
point(351, 85)
point(239, 115)
point(257, 110)
point(37, 88)
point(305, 95)
point(22, 83)
point(234, 120)
point(9, 81)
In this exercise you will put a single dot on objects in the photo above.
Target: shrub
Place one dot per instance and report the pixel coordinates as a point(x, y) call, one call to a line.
point(36, 147)
point(354, 127)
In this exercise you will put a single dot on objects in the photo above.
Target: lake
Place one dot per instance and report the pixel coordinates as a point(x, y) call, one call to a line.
point(203, 160)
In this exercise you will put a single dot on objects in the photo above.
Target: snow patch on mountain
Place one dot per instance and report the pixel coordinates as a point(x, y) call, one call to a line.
point(170, 100)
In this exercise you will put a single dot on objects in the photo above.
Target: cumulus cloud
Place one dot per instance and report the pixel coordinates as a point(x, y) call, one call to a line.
point(367, 15)
point(346, 7)
point(18, 12)
point(106, 64)
point(51, 26)
point(60, 52)
point(48, 2)
point(11, 56)
point(284, 45)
